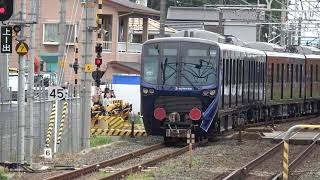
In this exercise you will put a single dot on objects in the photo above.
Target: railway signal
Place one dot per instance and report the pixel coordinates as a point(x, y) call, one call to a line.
point(6, 9)
point(98, 61)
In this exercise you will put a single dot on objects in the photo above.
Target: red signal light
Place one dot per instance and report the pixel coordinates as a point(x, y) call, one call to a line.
point(98, 62)
point(195, 114)
point(159, 114)
point(2, 10)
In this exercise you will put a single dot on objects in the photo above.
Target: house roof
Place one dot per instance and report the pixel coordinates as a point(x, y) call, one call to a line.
point(136, 24)
point(128, 67)
point(134, 8)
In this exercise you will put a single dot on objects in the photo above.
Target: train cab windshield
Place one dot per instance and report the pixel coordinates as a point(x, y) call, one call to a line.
point(183, 64)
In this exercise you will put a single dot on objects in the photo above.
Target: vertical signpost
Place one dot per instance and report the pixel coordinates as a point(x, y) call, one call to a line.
point(6, 39)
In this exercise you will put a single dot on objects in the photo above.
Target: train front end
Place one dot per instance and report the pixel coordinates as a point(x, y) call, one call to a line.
point(179, 86)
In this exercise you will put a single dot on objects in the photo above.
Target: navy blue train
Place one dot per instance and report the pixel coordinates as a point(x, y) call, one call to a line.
point(193, 82)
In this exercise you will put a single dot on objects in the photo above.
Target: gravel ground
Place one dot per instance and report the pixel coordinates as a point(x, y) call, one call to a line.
point(307, 170)
point(210, 161)
point(274, 165)
point(123, 146)
point(129, 163)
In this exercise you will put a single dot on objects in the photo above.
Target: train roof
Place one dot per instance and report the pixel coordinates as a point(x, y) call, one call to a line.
point(264, 46)
point(282, 54)
point(313, 56)
point(186, 39)
point(241, 49)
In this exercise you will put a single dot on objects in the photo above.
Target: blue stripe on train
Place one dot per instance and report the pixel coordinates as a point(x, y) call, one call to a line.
point(128, 80)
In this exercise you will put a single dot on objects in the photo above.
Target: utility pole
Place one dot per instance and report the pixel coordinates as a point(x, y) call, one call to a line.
point(34, 14)
point(269, 7)
point(62, 40)
point(21, 92)
point(283, 20)
point(162, 17)
point(299, 31)
point(86, 59)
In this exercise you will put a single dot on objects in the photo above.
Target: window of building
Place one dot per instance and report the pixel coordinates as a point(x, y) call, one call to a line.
point(51, 33)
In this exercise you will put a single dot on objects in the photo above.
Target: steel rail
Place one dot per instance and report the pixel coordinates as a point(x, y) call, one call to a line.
point(147, 164)
point(298, 159)
point(243, 171)
point(114, 161)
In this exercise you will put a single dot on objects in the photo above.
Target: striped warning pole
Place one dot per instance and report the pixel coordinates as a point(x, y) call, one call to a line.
point(51, 124)
point(63, 117)
point(285, 162)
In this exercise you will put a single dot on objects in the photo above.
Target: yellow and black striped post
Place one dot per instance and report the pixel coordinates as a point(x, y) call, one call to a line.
point(63, 117)
point(99, 23)
point(51, 124)
point(285, 163)
point(76, 65)
point(285, 170)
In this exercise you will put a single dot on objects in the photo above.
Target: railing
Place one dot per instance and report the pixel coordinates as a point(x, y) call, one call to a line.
point(122, 47)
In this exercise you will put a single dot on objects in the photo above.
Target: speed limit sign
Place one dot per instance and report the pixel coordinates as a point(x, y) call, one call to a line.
point(56, 93)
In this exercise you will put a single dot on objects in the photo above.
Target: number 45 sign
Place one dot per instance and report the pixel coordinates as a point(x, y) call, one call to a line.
point(56, 93)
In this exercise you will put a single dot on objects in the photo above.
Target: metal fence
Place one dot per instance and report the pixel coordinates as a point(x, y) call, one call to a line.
point(41, 111)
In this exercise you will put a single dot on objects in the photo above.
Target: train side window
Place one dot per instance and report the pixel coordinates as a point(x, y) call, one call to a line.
point(272, 80)
point(288, 76)
point(311, 79)
point(249, 79)
point(242, 79)
point(297, 73)
point(278, 73)
point(300, 81)
point(282, 79)
point(234, 72)
point(291, 83)
point(317, 72)
point(227, 72)
point(223, 81)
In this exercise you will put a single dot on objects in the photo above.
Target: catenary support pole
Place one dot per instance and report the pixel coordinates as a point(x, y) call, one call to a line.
point(162, 17)
point(30, 95)
point(62, 41)
point(87, 57)
point(21, 92)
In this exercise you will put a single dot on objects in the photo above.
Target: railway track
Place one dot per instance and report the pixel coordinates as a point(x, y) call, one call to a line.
point(296, 154)
point(87, 171)
point(95, 167)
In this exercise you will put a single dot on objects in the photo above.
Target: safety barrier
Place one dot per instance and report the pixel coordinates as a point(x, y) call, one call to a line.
point(63, 117)
point(51, 124)
point(118, 132)
point(285, 170)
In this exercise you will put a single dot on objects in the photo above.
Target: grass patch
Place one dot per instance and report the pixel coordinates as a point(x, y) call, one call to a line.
point(105, 174)
point(99, 140)
point(141, 176)
point(2, 175)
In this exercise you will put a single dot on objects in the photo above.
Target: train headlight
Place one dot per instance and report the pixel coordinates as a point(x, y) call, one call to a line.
point(145, 91)
point(151, 91)
point(205, 93)
point(212, 92)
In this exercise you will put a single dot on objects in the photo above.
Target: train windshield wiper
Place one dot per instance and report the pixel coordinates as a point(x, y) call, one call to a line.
point(163, 70)
point(188, 80)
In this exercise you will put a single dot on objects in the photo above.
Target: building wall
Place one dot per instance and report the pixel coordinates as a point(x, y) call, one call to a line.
point(50, 14)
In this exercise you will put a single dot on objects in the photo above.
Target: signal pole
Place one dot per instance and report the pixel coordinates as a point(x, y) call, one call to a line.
point(87, 57)
point(21, 92)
